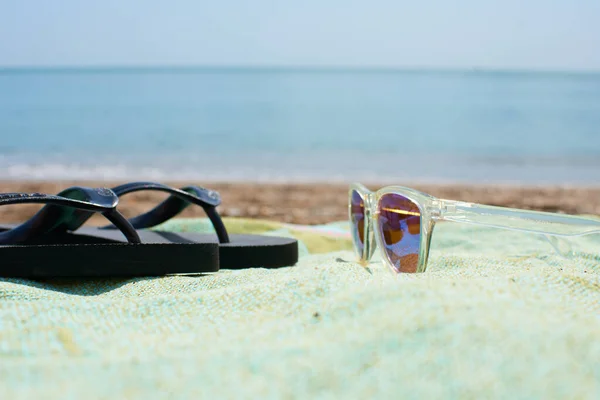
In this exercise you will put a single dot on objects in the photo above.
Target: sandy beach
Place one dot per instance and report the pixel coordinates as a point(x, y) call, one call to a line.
point(318, 203)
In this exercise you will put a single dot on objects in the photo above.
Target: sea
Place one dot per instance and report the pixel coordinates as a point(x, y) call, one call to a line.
point(300, 125)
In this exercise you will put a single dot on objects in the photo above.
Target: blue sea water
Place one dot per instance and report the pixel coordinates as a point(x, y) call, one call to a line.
point(300, 125)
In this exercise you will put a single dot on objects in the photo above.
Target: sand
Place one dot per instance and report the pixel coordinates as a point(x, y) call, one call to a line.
point(319, 203)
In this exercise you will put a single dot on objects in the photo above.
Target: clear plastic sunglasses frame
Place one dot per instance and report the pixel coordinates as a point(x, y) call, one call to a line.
point(553, 227)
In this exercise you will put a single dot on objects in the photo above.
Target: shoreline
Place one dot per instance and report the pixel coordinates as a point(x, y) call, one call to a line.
point(317, 203)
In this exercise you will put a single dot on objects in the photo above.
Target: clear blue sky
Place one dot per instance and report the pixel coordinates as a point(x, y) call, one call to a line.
point(536, 34)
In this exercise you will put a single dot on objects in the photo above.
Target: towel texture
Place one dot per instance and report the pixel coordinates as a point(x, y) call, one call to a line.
point(497, 314)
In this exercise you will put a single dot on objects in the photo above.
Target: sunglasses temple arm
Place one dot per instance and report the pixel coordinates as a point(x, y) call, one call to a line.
point(553, 227)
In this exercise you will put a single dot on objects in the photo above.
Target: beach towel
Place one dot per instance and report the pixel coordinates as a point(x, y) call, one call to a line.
point(496, 315)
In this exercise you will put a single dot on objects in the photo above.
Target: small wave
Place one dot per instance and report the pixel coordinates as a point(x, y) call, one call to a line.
point(267, 174)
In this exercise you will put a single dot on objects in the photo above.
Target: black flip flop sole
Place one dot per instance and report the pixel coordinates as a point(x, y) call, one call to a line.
point(69, 255)
point(243, 251)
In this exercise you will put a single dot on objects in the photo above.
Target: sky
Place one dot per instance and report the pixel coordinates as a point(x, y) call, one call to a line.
point(493, 34)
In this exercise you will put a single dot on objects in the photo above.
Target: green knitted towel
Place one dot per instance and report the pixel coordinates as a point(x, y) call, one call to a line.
point(497, 314)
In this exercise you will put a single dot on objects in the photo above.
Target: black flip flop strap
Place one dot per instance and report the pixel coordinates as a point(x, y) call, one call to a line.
point(59, 210)
point(177, 202)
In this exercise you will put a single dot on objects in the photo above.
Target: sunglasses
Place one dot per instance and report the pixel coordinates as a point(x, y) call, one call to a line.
point(400, 221)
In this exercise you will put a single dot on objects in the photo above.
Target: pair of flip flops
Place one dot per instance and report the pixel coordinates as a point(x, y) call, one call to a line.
point(53, 243)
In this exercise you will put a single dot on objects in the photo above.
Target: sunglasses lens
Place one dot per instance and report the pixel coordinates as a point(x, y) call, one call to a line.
point(400, 228)
point(357, 219)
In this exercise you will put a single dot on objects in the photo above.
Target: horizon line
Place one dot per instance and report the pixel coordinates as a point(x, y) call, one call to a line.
point(280, 68)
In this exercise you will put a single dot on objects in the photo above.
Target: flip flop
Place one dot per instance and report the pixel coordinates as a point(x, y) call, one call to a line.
point(41, 247)
point(236, 251)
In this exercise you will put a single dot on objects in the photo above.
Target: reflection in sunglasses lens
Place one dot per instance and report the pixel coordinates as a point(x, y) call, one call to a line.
point(400, 227)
